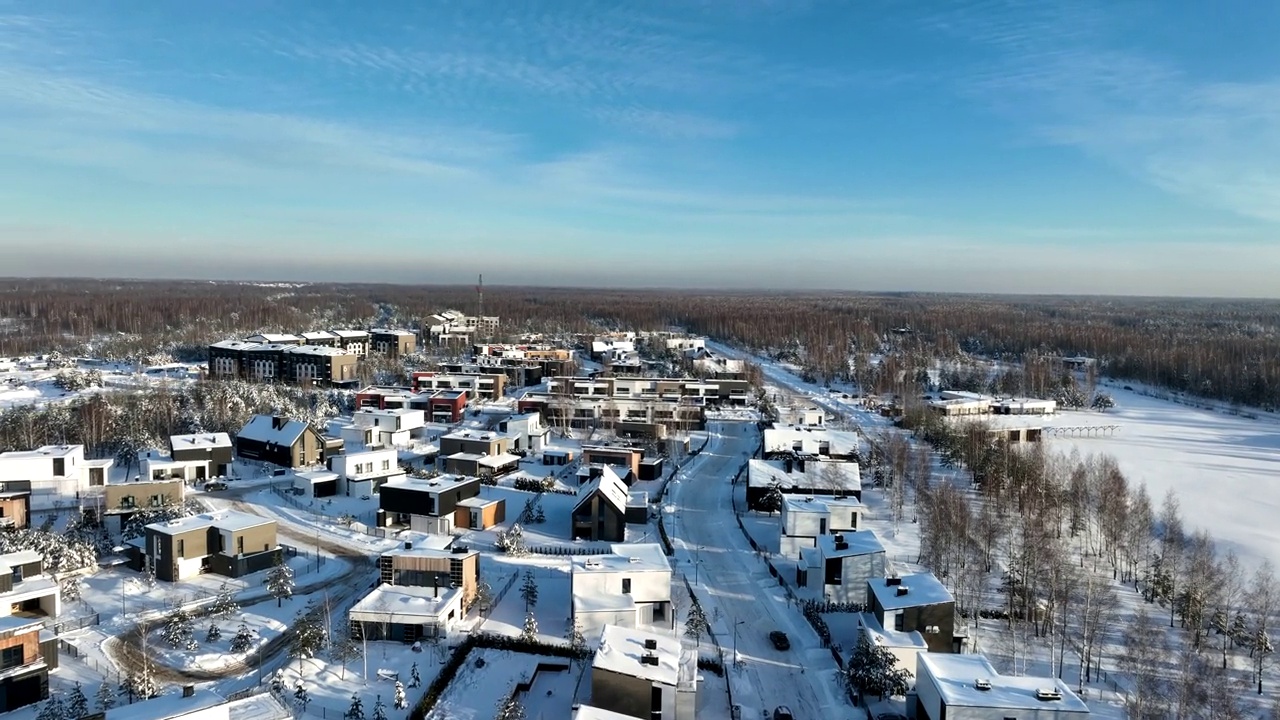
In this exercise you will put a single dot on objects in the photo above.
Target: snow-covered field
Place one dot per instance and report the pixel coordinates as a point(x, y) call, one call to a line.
point(25, 385)
point(480, 686)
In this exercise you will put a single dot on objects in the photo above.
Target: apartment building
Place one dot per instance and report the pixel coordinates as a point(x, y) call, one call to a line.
point(453, 326)
point(392, 343)
point(282, 362)
point(478, 386)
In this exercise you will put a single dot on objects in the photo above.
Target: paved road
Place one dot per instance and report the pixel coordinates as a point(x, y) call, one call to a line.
point(734, 581)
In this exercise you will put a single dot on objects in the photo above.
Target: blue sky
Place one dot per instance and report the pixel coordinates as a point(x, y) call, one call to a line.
point(987, 145)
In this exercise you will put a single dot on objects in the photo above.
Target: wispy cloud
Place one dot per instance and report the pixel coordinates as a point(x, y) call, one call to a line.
point(1065, 69)
point(669, 125)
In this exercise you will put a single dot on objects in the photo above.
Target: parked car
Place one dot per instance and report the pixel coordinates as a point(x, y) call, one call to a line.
point(780, 640)
point(782, 712)
point(215, 485)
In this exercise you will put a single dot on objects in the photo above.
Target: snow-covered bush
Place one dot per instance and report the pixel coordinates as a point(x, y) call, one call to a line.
point(60, 553)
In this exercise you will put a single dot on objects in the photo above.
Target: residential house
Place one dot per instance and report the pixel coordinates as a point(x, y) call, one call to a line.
point(318, 364)
point(389, 428)
point(121, 501)
point(916, 602)
point(455, 327)
point(393, 343)
point(478, 386)
point(59, 475)
point(364, 473)
point(838, 566)
point(213, 452)
point(1024, 406)
point(193, 704)
point(316, 483)
point(903, 645)
point(519, 373)
point(600, 512)
point(353, 341)
point(479, 464)
point(226, 542)
point(789, 440)
point(645, 675)
point(280, 441)
point(15, 504)
point(805, 518)
point(967, 687)
point(627, 457)
point(715, 367)
point(630, 586)
point(802, 476)
point(432, 505)
point(476, 442)
point(28, 598)
point(526, 431)
point(426, 586)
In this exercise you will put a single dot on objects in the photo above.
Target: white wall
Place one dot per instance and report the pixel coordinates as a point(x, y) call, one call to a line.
point(857, 570)
point(189, 567)
point(593, 622)
point(648, 586)
point(790, 545)
point(428, 524)
point(927, 692)
point(802, 523)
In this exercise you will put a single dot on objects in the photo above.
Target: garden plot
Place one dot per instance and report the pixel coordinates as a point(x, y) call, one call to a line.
point(259, 624)
point(554, 605)
point(370, 676)
point(490, 676)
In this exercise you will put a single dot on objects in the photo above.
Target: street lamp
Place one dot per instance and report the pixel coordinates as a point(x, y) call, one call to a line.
point(735, 639)
point(697, 562)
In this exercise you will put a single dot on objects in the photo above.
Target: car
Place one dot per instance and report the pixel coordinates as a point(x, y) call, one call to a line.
point(782, 712)
point(215, 485)
point(780, 640)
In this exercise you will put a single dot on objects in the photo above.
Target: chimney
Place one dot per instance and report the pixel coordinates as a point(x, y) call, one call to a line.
point(650, 644)
point(408, 545)
point(649, 659)
point(903, 590)
point(188, 691)
point(891, 582)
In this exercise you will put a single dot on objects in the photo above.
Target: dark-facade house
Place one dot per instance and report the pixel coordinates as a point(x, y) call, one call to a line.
point(917, 603)
point(226, 359)
point(428, 505)
point(280, 441)
point(600, 512)
point(275, 339)
point(226, 543)
point(28, 599)
point(320, 338)
point(214, 449)
point(627, 457)
point(643, 674)
point(392, 343)
point(319, 364)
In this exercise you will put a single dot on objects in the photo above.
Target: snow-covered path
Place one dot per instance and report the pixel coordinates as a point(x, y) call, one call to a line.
point(737, 592)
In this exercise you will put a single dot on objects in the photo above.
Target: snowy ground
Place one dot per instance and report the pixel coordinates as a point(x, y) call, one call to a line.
point(330, 687)
point(553, 608)
point(27, 386)
point(476, 691)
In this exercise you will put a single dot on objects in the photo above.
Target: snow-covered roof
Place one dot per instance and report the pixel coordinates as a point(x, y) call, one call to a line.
point(315, 476)
point(351, 334)
point(418, 539)
point(317, 350)
point(268, 429)
point(470, 435)
point(16, 623)
point(386, 331)
point(170, 707)
point(610, 487)
point(820, 505)
point(234, 345)
point(263, 706)
point(878, 635)
point(963, 395)
point(956, 678)
point(816, 475)
point(318, 335)
point(198, 441)
point(629, 557)
point(274, 337)
point(921, 589)
point(622, 651)
point(406, 604)
point(22, 557)
point(388, 412)
point(783, 438)
point(849, 544)
point(229, 520)
point(43, 451)
point(437, 484)
point(587, 712)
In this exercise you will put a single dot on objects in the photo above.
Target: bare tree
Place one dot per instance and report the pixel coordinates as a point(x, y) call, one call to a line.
point(1261, 601)
point(1143, 652)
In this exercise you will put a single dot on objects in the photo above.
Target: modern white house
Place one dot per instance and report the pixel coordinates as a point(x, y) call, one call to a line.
point(389, 428)
point(967, 687)
point(59, 474)
point(838, 567)
point(629, 587)
point(800, 439)
point(406, 613)
point(363, 473)
point(805, 476)
point(644, 675)
point(805, 517)
point(527, 432)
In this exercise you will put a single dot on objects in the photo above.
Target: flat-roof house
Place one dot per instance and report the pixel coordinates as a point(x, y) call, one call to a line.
point(58, 476)
point(476, 442)
point(391, 428)
point(802, 476)
point(15, 504)
point(600, 512)
point(316, 483)
point(785, 440)
point(968, 687)
point(805, 517)
point(478, 386)
point(480, 464)
point(838, 567)
point(431, 561)
point(392, 343)
point(643, 674)
point(226, 542)
point(431, 505)
point(121, 501)
point(28, 597)
point(425, 589)
point(215, 451)
point(903, 645)
point(918, 603)
point(614, 455)
point(281, 441)
point(364, 473)
point(527, 432)
point(630, 586)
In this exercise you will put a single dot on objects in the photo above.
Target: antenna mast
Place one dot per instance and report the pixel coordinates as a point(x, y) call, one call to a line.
point(480, 305)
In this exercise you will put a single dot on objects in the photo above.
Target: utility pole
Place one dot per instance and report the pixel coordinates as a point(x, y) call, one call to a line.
point(480, 308)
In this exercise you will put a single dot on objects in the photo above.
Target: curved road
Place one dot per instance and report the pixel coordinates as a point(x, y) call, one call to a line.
point(736, 590)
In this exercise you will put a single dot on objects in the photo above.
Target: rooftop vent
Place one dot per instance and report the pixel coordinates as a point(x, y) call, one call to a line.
point(890, 582)
point(408, 545)
point(1048, 694)
point(903, 590)
point(651, 659)
point(650, 644)
point(633, 559)
point(459, 549)
point(982, 684)
point(842, 546)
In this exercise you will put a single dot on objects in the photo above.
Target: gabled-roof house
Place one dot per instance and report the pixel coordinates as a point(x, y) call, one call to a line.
point(600, 512)
point(281, 441)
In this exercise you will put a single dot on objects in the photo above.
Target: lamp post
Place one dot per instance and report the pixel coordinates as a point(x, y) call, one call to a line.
point(735, 640)
point(697, 563)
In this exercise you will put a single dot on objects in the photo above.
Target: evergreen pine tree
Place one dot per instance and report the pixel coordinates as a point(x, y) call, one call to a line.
point(77, 703)
point(415, 680)
point(280, 582)
point(379, 710)
point(695, 626)
point(243, 639)
point(530, 631)
point(529, 591)
point(356, 711)
point(399, 701)
point(105, 698)
point(52, 708)
point(300, 696)
point(214, 634)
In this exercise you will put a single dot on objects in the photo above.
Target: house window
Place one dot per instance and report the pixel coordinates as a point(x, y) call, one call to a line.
point(240, 545)
point(182, 548)
point(17, 574)
point(126, 501)
point(626, 586)
point(386, 464)
point(11, 657)
point(655, 703)
point(898, 621)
